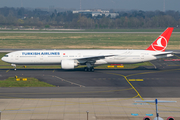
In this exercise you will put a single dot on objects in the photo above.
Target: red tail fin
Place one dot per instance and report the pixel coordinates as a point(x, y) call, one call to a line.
point(161, 42)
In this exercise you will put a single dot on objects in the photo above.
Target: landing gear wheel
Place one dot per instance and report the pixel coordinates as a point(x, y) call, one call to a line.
point(92, 69)
point(85, 69)
point(14, 65)
point(89, 69)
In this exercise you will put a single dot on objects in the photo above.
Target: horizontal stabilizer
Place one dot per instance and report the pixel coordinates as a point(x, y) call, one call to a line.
point(154, 101)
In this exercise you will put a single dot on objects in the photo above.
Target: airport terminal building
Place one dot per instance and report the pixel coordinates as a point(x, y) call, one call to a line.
point(96, 13)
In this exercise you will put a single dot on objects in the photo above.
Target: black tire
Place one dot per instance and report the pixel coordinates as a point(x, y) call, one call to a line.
point(85, 69)
point(92, 69)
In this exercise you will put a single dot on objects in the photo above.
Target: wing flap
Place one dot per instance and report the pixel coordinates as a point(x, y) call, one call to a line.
point(95, 57)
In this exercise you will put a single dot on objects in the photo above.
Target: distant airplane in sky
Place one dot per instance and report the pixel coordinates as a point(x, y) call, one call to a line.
point(68, 59)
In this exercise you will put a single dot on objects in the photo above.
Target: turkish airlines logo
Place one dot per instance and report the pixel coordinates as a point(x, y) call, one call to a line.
point(160, 44)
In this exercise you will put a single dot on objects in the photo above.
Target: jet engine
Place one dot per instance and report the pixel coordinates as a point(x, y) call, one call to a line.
point(146, 118)
point(170, 118)
point(68, 64)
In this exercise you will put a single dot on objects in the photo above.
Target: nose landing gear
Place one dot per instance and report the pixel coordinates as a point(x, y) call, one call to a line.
point(14, 65)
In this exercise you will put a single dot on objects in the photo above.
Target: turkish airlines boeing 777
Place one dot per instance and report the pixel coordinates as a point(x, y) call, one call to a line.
point(68, 59)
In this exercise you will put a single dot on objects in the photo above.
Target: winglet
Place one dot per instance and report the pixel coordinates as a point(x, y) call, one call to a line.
point(161, 42)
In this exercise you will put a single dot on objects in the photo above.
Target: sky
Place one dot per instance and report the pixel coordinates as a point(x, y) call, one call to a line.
point(145, 5)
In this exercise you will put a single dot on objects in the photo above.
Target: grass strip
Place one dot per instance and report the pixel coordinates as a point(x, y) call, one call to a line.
point(82, 41)
point(31, 82)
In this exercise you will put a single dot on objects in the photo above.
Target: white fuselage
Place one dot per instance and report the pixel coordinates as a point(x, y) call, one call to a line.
point(54, 57)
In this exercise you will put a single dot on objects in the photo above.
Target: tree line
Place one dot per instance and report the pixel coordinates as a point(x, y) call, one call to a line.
point(37, 18)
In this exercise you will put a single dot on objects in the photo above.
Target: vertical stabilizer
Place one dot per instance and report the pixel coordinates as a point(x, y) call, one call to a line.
point(161, 42)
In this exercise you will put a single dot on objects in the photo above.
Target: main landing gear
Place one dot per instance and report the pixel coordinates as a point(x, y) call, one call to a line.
point(91, 69)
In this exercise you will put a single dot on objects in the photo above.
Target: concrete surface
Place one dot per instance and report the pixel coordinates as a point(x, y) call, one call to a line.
point(75, 109)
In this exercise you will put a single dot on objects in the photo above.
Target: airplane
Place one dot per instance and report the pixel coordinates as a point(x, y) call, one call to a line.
point(156, 101)
point(69, 59)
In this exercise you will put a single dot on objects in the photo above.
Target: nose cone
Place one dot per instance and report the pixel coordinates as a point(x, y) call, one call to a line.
point(2, 58)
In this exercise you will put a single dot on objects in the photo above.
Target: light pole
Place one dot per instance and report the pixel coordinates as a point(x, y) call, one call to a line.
point(87, 114)
point(0, 115)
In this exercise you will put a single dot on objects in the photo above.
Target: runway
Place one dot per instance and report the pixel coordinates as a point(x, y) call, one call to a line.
point(99, 84)
point(106, 94)
point(160, 80)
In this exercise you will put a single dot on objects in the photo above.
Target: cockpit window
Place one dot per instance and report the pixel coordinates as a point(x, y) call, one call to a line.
point(6, 56)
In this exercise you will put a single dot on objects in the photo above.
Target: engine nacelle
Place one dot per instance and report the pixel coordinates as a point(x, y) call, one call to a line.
point(68, 64)
point(146, 118)
point(170, 118)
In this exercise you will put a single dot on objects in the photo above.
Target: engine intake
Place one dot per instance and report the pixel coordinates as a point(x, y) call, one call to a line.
point(170, 118)
point(146, 118)
point(68, 64)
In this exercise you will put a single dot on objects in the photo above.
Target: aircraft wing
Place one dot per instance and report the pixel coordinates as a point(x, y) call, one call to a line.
point(93, 58)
